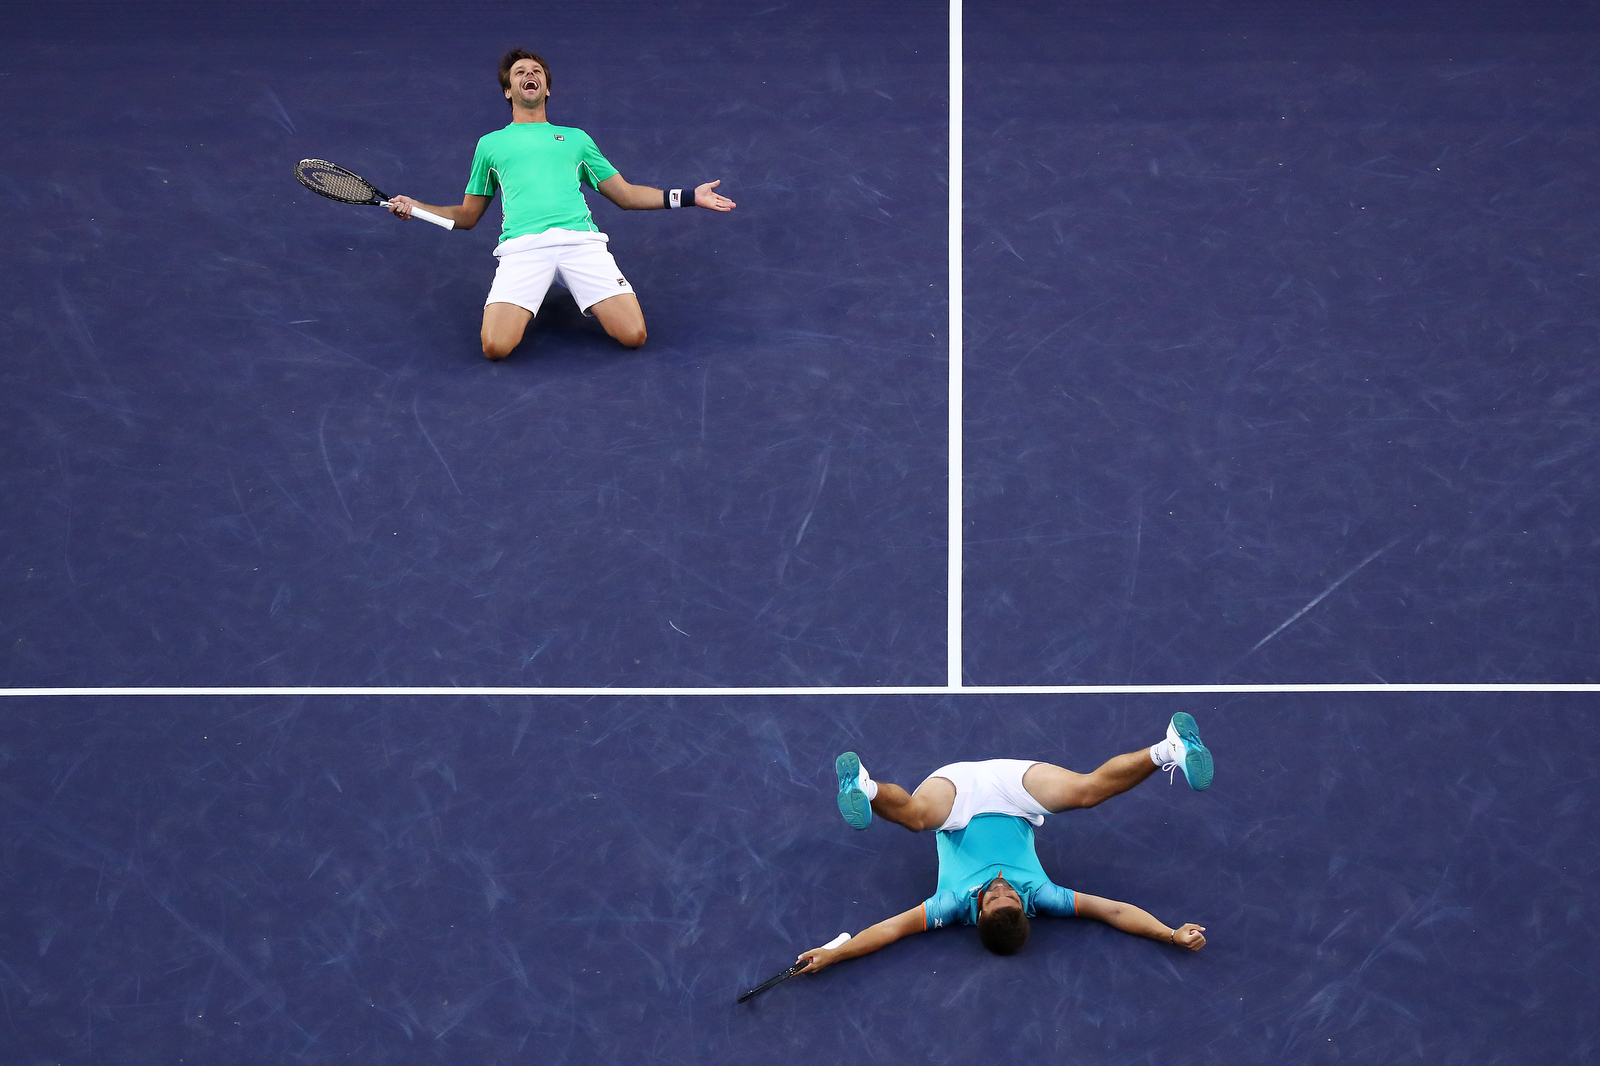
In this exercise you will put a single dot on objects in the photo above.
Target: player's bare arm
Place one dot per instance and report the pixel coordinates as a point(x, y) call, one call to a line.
point(631, 197)
point(867, 941)
point(619, 191)
point(1139, 922)
point(465, 215)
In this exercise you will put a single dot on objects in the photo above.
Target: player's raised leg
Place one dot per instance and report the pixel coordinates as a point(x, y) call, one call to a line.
point(622, 318)
point(926, 808)
point(1059, 789)
point(860, 798)
point(503, 326)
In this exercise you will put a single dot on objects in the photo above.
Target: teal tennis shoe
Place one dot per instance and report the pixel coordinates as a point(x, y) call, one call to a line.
point(1185, 735)
point(853, 802)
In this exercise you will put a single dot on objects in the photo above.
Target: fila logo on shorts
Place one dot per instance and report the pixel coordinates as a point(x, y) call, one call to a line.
point(622, 281)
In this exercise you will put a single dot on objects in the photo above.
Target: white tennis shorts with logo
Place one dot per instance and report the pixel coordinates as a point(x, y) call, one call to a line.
point(990, 787)
point(577, 260)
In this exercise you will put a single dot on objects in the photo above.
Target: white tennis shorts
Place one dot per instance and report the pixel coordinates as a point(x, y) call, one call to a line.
point(577, 260)
point(990, 787)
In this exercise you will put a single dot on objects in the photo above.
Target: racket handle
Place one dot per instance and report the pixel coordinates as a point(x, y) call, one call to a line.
point(428, 216)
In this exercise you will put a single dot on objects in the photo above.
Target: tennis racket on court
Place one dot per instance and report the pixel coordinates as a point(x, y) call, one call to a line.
point(778, 979)
point(337, 183)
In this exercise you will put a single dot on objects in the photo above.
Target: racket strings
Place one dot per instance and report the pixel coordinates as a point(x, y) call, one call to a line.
point(336, 183)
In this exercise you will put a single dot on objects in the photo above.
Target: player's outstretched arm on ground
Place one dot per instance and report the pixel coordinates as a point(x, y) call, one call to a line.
point(1131, 919)
point(867, 941)
point(644, 198)
point(465, 215)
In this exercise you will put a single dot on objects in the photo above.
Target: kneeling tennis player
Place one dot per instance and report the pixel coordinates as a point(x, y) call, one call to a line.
point(548, 234)
point(985, 814)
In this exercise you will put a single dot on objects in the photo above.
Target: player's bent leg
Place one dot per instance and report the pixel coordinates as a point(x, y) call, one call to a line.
point(860, 798)
point(503, 326)
point(927, 808)
point(1058, 789)
point(622, 318)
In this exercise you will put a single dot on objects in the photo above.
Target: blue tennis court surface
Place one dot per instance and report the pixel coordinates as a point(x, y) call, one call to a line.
point(1279, 305)
point(1394, 878)
point(1279, 367)
point(255, 440)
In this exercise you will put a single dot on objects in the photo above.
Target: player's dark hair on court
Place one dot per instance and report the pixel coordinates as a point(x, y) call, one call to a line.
point(509, 60)
point(1004, 931)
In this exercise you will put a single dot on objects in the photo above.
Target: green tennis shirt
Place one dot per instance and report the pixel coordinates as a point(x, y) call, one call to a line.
point(539, 170)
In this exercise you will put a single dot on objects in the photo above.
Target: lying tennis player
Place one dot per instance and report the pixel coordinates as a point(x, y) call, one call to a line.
point(548, 233)
point(989, 875)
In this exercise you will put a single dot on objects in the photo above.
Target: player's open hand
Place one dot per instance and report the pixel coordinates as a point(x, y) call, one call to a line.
point(1190, 936)
point(401, 206)
point(704, 197)
point(821, 958)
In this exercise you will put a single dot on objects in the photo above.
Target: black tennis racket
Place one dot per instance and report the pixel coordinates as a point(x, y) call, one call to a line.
point(791, 971)
point(337, 183)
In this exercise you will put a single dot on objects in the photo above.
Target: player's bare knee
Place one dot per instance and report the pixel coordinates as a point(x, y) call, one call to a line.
point(631, 338)
point(496, 350)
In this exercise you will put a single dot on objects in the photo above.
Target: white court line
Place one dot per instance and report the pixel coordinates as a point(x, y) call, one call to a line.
point(953, 575)
point(907, 690)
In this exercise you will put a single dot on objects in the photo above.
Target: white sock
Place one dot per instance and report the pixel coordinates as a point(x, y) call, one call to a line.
point(1161, 754)
point(868, 785)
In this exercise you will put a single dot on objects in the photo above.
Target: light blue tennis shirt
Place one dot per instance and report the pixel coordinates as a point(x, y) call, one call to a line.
point(970, 858)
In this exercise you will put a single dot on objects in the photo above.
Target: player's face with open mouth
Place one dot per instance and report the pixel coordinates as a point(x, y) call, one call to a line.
point(529, 82)
point(997, 894)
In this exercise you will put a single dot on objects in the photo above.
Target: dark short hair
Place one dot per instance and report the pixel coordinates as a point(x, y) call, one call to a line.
point(509, 60)
point(1004, 931)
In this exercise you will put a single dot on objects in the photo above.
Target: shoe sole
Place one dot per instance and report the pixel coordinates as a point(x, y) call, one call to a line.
point(1197, 766)
point(853, 802)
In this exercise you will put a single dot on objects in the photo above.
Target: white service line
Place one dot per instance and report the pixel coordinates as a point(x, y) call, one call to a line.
point(888, 690)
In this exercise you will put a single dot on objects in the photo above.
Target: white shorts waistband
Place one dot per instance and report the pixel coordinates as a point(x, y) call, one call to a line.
point(550, 238)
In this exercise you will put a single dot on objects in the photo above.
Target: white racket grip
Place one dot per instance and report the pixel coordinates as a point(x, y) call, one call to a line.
point(428, 216)
point(836, 941)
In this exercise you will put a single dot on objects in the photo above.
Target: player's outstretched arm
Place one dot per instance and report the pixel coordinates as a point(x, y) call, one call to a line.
point(1131, 919)
point(465, 215)
point(644, 198)
point(867, 941)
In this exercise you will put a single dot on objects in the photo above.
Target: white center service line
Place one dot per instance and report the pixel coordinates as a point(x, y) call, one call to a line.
point(953, 579)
